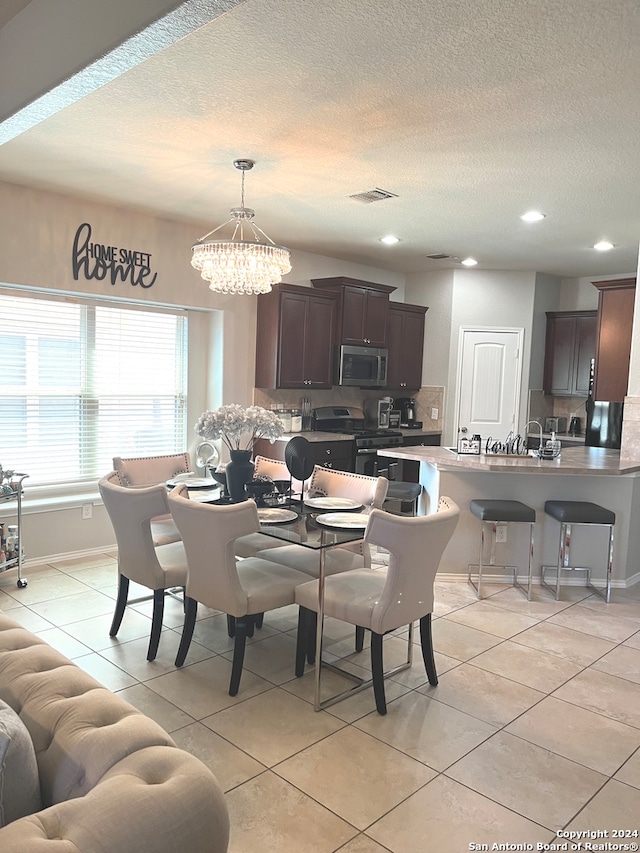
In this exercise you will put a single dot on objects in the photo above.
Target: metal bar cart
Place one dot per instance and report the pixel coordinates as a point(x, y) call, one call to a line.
point(11, 550)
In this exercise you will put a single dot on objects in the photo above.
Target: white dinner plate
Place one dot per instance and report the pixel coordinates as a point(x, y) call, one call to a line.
point(332, 503)
point(347, 520)
point(203, 496)
point(276, 516)
point(193, 482)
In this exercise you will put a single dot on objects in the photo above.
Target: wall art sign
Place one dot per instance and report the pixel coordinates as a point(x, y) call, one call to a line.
point(99, 261)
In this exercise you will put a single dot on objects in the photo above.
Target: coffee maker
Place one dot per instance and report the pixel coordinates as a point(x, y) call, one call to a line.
point(407, 408)
point(376, 413)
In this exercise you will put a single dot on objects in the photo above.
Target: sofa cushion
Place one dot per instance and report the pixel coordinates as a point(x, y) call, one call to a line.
point(19, 783)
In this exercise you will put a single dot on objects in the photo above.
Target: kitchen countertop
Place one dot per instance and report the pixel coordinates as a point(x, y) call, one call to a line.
point(573, 460)
point(319, 435)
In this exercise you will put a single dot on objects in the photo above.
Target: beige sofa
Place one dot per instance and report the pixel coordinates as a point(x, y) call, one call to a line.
point(111, 780)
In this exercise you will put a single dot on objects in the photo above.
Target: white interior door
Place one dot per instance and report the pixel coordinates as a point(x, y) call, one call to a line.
point(489, 377)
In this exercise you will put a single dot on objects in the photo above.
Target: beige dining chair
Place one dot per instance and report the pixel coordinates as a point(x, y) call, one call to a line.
point(243, 589)
point(382, 601)
point(158, 567)
point(136, 471)
point(370, 492)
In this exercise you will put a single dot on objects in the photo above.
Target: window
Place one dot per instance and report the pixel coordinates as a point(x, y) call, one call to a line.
point(82, 382)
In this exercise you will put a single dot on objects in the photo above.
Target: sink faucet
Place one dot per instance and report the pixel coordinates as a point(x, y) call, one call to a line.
point(539, 425)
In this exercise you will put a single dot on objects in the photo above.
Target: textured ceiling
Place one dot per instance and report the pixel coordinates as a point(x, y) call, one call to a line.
point(472, 113)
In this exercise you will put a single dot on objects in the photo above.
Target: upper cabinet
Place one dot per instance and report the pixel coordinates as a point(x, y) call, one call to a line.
point(295, 332)
point(570, 346)
point(405, 340)
point(363, 309)
point(613, 349)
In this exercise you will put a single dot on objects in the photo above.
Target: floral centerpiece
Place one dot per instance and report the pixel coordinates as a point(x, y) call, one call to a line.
point(239, 428)
point(232, 422)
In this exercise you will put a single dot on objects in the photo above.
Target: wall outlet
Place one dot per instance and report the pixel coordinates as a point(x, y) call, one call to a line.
point(434, 414)
point(87, 510)
point(501, 532)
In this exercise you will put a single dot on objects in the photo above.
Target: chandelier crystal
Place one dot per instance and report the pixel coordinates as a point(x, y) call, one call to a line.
point(240, 265)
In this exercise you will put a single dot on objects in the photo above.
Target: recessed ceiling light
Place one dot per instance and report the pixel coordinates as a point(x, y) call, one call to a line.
point(469, 262)
point(389, 240)
point(603, 246)
point(532, 216)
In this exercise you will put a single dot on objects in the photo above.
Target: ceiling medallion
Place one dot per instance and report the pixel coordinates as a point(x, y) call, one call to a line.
point(240, 265)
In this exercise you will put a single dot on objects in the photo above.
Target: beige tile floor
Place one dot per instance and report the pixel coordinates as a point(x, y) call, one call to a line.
point(533, 728)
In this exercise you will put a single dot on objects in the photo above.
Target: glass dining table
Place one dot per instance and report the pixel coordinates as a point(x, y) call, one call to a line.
point(305, 526)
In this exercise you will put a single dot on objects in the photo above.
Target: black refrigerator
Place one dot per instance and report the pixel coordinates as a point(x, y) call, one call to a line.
point(604, 424)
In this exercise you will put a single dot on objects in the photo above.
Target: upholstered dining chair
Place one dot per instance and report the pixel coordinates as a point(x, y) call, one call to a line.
point(243, 589)
point(158, 567)
point(136, 471)
point(384, 600)
point(327, 482)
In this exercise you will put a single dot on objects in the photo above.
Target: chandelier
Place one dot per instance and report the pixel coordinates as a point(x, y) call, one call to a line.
point(240, 265)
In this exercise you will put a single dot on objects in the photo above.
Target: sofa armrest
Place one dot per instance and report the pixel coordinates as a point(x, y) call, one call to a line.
point(159, 800)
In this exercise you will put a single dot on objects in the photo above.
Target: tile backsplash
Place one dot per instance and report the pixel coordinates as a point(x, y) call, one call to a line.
point(427, 398)
point(543, 405)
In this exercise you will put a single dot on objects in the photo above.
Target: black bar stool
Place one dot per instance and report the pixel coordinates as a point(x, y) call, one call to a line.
point(494, 513)
point(406, 493)
point(568, 513)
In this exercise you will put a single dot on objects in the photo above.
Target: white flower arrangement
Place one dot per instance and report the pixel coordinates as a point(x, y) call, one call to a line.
point(231, 422)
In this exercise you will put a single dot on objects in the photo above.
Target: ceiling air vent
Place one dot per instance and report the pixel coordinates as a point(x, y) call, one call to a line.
point(373, 195)
point(438, 256)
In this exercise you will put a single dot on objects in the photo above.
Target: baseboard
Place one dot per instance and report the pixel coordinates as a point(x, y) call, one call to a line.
point(68, 555)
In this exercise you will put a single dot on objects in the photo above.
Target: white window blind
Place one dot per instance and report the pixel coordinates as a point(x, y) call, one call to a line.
point(82, 381)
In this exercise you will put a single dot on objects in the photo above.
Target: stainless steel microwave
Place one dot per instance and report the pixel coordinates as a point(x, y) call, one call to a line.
point(364, 367)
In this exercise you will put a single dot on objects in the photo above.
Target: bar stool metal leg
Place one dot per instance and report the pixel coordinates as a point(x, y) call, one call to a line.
point(606, 592)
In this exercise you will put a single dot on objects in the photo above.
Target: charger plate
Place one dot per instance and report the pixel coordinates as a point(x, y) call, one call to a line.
point(270, 515)
point(345, 520)
point(332, 503)
point(193, 482)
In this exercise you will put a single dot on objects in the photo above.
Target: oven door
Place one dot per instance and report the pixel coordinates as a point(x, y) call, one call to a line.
point(369, 463)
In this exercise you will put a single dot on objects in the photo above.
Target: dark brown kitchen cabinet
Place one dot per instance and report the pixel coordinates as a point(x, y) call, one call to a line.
point(616, 302)
point(362, 310)
point(570, 346)
point(294, 342)
point(405, 341)
point(330, 454)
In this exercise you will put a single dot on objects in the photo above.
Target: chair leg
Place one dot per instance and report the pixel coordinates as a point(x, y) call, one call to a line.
point(259, 620)
point(377, 672)
point(231, 626)
point(359, 638)
point(156, 623)
point(311, 637)
point(302, 639)
point(121, 603)
point(427, 649)
point(244, 624)
point(191, 611)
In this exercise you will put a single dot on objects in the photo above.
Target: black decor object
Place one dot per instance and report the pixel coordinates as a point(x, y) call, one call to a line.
point(299, 459)
point(239, 471)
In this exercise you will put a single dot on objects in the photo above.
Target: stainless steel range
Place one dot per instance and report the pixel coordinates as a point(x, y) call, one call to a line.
point(349, 420)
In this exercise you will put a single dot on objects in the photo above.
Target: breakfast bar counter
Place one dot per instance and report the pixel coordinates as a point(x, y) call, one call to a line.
point(582, 473)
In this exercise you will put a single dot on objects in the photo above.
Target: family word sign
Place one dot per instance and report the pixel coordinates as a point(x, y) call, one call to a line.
point(98, 261)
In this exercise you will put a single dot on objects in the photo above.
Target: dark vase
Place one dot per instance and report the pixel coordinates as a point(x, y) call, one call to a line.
point(239, 471)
